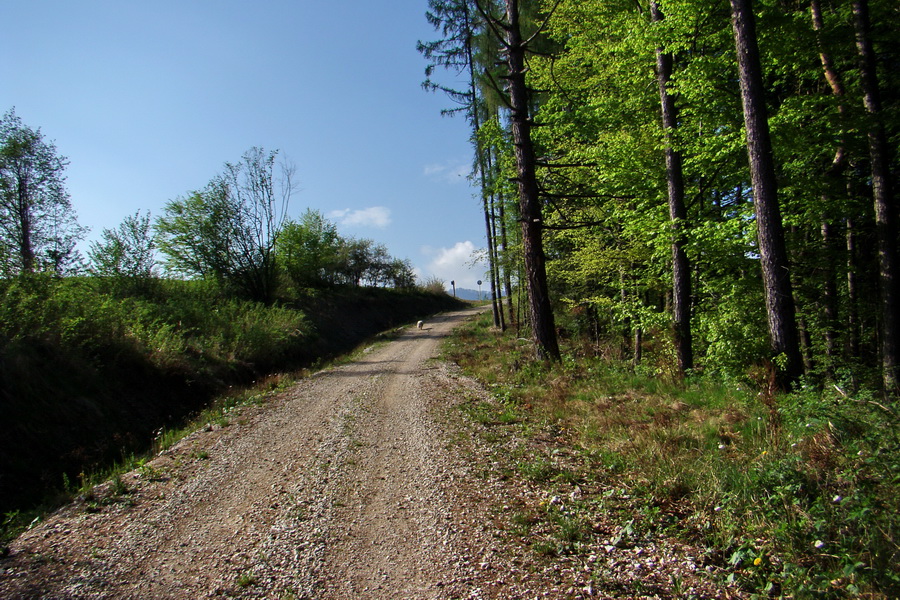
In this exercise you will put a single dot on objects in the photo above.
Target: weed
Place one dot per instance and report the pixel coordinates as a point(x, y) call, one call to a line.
point(538, 470)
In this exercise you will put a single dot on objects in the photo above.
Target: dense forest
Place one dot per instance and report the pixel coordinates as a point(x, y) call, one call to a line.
point(701, 188)
point(697, 203)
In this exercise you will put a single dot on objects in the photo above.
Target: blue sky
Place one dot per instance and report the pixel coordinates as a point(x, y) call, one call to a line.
point(149, 99)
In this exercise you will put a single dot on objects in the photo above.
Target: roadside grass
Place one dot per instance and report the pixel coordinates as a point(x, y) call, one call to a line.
point(792, 496)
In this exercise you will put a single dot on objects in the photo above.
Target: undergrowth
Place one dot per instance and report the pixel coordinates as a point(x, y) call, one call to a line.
point(794, 495)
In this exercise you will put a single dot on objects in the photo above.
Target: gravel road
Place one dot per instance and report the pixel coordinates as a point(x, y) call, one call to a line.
point(350, 484)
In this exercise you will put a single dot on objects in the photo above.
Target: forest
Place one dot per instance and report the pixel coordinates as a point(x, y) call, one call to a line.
point(708, 188)
point(701, 197)
point(691, 213)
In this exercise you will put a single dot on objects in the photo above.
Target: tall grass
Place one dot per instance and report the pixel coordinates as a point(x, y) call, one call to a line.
point(794, 496)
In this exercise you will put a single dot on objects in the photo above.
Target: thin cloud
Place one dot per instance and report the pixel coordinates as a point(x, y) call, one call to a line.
point(447, 172)
point(375, 216)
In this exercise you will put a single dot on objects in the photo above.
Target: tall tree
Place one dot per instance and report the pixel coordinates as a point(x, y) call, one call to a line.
point(456, 21)
point(780, 310)
point(681, 268)
point(885, 202)
point(38, 228)
point(515, 47)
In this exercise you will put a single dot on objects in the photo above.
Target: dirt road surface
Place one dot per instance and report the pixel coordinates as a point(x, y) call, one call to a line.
point(348, 485)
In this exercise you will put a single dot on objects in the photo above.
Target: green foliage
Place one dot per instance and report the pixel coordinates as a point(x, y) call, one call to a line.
point(310, 250)
point(227, 231)
point(124, 256)
point(313, 255)
point(38, 227)
point(608, 233)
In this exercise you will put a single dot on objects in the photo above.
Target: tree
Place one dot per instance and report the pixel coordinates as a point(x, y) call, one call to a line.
point(228, 230)
point(885, 202)
point(681, 268)
point(780, 309)
point(126, 253)
point(38, 227)
point(309, 250)
point(456, 19)
point(515, 47)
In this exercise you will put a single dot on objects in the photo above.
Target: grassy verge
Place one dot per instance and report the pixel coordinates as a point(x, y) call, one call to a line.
point(792, 496)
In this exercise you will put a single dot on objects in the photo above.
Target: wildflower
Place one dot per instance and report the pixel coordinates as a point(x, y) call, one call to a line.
point(764, 452)
point(717, 509)
point(837, 498)
point(819, 544)
point(757, 561)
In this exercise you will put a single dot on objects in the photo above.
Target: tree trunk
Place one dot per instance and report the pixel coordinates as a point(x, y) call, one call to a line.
point(540, 310)
point(495, 308)
point(780, 310)
point(481, 161)
point(834, 172)
point(830, 295)
point(504, 242)
point(495, 271)
point(26, 246)
point(885, 211)
point(681, 269)
point(852, 293)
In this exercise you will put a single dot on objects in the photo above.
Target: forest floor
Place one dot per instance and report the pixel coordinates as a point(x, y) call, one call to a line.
point(365, 480)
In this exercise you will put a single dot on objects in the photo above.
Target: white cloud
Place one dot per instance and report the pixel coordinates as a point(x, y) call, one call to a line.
point(462, 263)
point(375, 216)
point(448, 172)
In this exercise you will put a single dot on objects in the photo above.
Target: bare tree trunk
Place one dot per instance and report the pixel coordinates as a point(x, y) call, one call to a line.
point(885, 209)
point(681, 268)
point(540, 310)
point(26, 246)
point(504, 241)
point(490, 248)
point(780, 309)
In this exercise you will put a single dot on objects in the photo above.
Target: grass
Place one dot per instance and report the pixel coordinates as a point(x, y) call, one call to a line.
point(794, 495)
